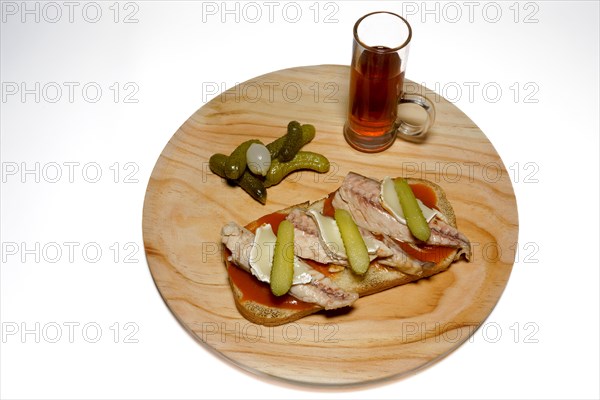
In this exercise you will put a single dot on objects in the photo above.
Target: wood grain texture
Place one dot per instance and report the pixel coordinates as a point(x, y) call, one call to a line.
point(383, 336)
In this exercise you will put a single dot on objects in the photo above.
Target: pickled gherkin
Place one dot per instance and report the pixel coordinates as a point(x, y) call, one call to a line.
point(416, 222)
point(292, 142)
point(303, 160)
point(282, 271)
point(254, 172)
point(236, 162)
point(275, 147)
point(251, 184)
point(216, 163)
point(308, 133)
point(354, 244)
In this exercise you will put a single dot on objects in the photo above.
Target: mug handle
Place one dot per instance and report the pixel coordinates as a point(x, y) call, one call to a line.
point(416, 133)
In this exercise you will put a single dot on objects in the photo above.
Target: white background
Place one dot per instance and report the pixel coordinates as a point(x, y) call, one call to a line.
point(543, 336)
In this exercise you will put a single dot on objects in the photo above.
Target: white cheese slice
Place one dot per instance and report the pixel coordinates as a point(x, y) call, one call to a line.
point(390, 201)
point(330, 233)
point(261, 257)
point(301, 272)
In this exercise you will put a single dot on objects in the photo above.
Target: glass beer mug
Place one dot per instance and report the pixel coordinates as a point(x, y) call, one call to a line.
point(379, 56)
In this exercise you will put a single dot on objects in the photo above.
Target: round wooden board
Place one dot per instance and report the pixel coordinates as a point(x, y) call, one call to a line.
point(383, 336)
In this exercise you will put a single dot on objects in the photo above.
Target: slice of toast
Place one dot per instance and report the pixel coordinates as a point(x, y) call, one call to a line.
point(266, 309)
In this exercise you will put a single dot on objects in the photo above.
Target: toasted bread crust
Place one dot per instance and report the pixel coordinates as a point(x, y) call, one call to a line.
point(375, 280)
point(266, 315)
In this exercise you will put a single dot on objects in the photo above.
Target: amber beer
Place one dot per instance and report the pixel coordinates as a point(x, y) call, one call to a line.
point(376, 83)
point(379, 54)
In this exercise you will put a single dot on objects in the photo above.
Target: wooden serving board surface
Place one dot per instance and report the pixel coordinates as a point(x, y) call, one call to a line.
point(383, 336)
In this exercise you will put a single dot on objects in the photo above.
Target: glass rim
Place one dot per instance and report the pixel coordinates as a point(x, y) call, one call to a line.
point(403, 45)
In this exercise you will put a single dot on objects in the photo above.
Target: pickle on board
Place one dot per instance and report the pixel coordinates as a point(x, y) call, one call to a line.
point(216, 163)
point(250, 183)
point(302, 160)
point(292, 142)
point(236, 162)
point(282, 271)
point(308, 133)
point(253, 186)
point(275, 147)
point(354, 244)
point(416, 222)
point(247, 170)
